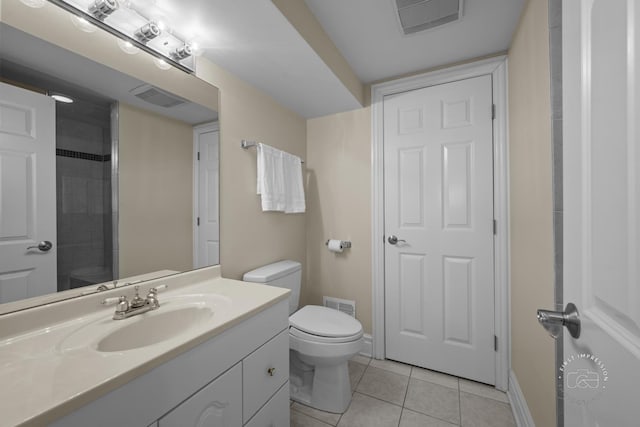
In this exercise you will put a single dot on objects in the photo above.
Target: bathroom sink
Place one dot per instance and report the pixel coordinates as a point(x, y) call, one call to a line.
point(176, 315)
point(154, 327)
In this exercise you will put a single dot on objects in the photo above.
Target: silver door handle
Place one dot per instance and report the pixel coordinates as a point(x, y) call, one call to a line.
point(393, 240)
point(553, 321)
point(44, 246)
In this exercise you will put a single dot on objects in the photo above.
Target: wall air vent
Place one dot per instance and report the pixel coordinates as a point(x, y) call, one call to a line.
point(420, 15)
point(155, 96)
point(343, 305)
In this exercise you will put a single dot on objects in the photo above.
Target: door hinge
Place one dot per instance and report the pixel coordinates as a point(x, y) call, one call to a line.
point(495, 227)
point(495, 343)
point(493, 111)
point(198, 222)
point(198, 155)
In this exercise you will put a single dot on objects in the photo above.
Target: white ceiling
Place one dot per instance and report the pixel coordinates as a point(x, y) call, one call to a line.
point(253, 40)
point(368, 35)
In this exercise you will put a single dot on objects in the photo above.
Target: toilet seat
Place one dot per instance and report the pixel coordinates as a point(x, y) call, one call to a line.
point(320, 339)
point(324, 324)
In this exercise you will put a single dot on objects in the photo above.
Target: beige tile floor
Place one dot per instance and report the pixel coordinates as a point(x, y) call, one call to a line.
point(390, 394)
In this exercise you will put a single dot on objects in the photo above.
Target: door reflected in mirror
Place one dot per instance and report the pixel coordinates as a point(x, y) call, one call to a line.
point(108, 173)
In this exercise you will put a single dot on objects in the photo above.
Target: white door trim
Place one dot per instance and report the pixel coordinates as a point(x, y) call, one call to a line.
point(497, 68)
point(197, 130)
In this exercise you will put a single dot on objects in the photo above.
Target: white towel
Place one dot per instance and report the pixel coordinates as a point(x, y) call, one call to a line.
point(294, 188)
point(279, 180)
point(271, 178)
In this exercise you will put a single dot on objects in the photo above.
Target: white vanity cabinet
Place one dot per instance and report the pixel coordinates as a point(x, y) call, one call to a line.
point(219, 404)
point(239, 377)
point(263, 372)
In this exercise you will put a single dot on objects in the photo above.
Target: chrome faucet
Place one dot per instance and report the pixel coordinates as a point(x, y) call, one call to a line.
point(137, 305)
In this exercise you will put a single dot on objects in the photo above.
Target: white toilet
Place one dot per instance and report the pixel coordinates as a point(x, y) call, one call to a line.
point(321, 342)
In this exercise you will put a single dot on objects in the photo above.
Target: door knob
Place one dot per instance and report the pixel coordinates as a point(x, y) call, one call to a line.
point(393, 240)
point(553, 321)
point(44, 246)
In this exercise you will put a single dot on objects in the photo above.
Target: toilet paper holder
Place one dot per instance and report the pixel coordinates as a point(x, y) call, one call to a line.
point(344, 244)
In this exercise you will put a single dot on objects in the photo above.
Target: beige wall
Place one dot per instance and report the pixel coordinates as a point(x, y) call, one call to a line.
point(249, 237)
point(339, 206)
point(531, 210)
point(156, 192)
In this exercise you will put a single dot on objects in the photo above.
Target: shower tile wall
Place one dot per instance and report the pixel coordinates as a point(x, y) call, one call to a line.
point(83, 169)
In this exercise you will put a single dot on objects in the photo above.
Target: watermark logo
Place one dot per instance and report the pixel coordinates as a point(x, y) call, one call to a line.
point(585, 377)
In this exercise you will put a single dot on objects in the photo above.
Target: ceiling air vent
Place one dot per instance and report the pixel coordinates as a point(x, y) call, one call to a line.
point(156, 96)
point(420, 15)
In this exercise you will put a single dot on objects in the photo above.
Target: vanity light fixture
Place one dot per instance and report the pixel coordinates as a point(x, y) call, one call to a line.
point(182, 52)
point(139, 26)
point(161, 24)
point(101, 9)
point(148, 31)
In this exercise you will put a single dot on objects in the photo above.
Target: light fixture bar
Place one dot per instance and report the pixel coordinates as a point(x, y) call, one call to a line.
point(101, 24)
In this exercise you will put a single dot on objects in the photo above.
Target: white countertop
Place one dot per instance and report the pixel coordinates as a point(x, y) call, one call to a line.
point(43, 377)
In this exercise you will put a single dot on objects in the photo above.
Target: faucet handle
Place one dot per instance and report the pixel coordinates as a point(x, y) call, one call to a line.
point(152, 296)
point(123, 304)
point(112, 300)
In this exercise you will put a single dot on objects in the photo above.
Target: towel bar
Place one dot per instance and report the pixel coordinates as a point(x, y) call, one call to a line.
point(248, 144)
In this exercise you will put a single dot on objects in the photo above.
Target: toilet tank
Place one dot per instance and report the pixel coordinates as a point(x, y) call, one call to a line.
point(283, 274)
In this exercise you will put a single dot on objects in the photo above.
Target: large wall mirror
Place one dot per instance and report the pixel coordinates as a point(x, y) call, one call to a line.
point(103, 183)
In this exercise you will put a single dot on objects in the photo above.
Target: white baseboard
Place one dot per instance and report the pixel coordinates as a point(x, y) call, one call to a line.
point(367, 347)
point(518, 403)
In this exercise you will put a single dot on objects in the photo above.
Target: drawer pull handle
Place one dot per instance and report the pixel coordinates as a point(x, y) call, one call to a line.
point(271, 371)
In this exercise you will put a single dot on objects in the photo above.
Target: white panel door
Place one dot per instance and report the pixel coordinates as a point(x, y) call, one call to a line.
point(601, 168)
point(438, 168)
point(208, 198)
point(27, 194)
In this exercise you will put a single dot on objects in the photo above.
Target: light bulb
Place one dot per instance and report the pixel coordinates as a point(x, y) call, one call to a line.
point(148, 31)
point(101, 9)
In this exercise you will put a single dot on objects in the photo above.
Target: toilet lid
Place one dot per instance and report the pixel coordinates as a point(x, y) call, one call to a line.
point(324, 322)
point(295, 332)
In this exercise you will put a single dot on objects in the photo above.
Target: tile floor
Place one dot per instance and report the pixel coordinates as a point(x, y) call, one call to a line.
point(390, 394)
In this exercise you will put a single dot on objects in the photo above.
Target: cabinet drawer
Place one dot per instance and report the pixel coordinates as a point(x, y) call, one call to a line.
point(275, 413)
point(263, 372)
point(218, 404)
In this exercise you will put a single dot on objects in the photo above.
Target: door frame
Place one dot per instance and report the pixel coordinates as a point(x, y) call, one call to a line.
point(197, 131)
point(497, 68)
